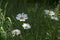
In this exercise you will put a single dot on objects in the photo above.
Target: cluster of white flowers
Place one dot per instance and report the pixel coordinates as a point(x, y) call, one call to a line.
point(51, 14)
point(21, 17)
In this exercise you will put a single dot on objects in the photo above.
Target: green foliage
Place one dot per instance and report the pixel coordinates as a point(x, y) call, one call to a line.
point(43, 28)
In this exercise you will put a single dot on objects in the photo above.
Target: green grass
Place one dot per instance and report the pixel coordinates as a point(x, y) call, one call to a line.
point(42, 27)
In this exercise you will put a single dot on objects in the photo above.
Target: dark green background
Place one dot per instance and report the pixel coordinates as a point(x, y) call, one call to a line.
point(39, 21)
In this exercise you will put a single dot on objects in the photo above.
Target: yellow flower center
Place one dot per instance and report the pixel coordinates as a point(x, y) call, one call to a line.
point(22, 18)
point(26, 26)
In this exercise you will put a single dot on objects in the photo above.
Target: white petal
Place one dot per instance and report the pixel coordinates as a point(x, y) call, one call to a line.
point(25, 16)
point(52, 13)
point(19, 15)
point(22, 14)
point(24, 24)
point(56, 18)
point(52, 17)
point(18, 18)
point(22, 19)
point(46, 11)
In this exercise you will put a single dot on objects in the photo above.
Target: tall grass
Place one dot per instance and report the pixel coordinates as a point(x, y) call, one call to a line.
point(42, 26)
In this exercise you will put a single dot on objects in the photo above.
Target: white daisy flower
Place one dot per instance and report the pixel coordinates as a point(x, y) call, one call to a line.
point(26, 26)
point(49, 12)
point(53, 17)
point(21, 17)
point(16, 32)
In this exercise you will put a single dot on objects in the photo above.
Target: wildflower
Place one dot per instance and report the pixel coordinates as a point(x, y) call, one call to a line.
point(53, 17)
point(49, 12)
point(16, 32)
point(26, 26)
point(21, 17)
